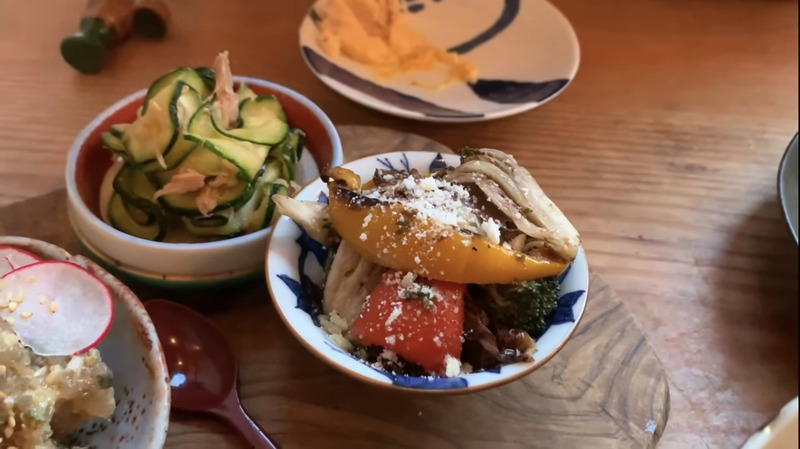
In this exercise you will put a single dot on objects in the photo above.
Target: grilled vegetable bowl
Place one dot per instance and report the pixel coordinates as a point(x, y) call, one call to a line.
point(173, 184)
point(427, 271)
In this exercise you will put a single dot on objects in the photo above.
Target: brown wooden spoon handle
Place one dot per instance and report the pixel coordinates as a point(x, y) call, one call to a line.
point(234, 414)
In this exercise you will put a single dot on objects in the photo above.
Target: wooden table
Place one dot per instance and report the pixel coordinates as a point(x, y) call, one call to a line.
point(663, 153)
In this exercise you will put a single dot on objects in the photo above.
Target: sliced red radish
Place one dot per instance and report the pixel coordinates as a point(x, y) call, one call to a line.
point(56, 308)
point(12, 258)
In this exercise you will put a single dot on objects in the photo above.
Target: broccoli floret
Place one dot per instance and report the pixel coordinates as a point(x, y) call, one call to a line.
point(523, 305)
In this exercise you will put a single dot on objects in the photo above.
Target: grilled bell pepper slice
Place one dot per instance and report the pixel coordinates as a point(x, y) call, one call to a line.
point(421, 332)
point(391, 236)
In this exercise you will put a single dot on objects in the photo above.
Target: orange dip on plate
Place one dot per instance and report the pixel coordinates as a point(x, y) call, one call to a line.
point(376, 33)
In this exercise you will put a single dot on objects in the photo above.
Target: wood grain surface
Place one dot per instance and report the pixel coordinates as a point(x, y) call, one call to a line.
point(606, 388)
point(663, 152)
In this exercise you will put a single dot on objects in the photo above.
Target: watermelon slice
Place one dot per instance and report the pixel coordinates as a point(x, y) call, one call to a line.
point(56, 308)
point(12, 258)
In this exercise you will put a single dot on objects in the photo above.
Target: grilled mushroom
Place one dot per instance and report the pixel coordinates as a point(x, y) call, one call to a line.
point(517, 194)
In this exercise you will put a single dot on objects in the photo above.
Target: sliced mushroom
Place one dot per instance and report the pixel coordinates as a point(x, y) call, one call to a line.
point(515, 346)
point(480, 345)
point(519, 188)
point(311, 216)
point(518, 243)
point(497, 196)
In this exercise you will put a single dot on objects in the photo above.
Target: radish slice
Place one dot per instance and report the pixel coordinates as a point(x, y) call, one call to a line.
point(12, 258)
point(56, 308)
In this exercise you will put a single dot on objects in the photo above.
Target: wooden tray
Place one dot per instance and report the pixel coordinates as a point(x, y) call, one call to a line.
point(605, 389)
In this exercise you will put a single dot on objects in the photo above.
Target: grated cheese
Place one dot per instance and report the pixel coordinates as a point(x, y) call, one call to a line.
point(491, 230)
point(436, 200)
point(452, 366)
point(408, 280)
point(396, 312)
point(428, 184)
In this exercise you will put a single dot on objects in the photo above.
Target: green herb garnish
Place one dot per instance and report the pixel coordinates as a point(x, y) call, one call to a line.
point(419, 292)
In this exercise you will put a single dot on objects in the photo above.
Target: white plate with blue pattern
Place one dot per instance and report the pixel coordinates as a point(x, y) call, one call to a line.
point(294, 270)
point(526, 53)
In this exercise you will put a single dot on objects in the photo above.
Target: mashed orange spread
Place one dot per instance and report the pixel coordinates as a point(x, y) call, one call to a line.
point(376, 33)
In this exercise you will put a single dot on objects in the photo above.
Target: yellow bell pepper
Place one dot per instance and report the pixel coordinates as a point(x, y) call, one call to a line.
point(390, 236)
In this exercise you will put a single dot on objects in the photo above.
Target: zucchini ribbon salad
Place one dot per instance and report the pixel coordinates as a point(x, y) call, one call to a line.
point(201, 160)
point(441, 273)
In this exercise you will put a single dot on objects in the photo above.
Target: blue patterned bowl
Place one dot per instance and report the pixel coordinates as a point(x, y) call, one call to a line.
point(294, 264)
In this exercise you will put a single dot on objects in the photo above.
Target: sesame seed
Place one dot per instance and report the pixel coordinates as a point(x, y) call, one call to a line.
point(25, 315)
point(42, 299)
point(10, 320)
point(53, 307)
point(12, 306)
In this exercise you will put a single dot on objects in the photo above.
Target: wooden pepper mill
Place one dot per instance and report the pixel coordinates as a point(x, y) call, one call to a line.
point(106, 23)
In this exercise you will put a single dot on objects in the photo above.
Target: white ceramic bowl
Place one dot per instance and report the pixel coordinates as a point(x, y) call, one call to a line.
point(133, 353)
point(287, 249)
point(191, 264)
